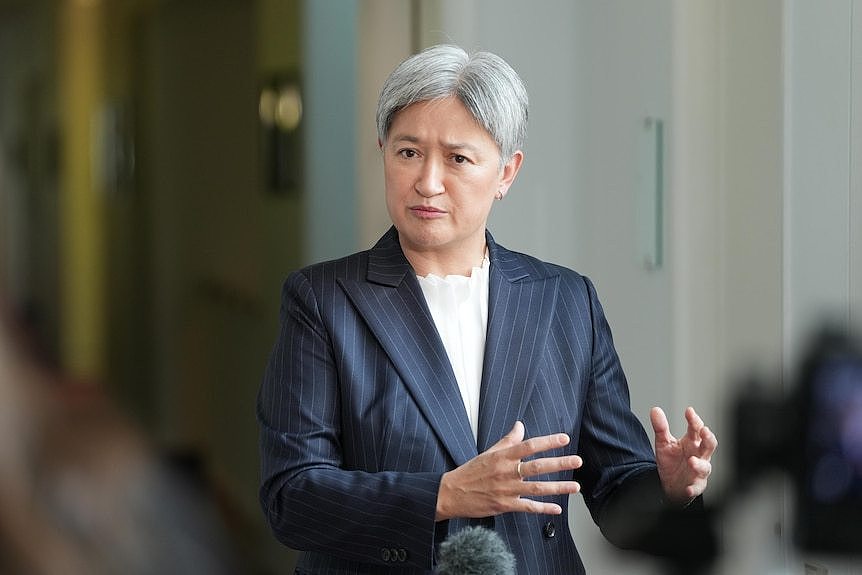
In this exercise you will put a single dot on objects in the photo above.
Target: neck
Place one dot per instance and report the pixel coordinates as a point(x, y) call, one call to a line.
point(459, 263)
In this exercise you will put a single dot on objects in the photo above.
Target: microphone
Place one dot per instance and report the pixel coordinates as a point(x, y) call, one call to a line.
point(475, 551)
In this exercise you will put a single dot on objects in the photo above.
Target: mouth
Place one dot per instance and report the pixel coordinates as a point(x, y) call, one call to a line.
point(427, 211)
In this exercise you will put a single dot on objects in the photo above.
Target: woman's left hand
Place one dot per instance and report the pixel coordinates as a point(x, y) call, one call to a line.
point(683, 464)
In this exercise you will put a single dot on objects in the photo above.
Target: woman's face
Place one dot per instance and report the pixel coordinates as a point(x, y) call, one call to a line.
point(442, 172)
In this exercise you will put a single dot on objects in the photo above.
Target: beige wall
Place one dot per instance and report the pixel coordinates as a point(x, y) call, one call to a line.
point(385, 38)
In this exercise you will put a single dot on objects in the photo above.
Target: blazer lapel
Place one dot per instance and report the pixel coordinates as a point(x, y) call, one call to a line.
point(394, 308)
point(521, 303)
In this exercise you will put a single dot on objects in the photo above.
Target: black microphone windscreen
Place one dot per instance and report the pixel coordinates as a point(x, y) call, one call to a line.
point(475, 551)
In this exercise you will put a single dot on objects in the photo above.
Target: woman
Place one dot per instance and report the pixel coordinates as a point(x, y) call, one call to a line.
point(405, 380)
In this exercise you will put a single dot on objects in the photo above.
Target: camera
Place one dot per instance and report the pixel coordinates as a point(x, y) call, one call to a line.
point(813, 434)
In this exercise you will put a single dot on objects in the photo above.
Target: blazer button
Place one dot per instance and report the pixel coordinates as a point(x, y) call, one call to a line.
point(386, 555)
point(549, 530)
point(402, 555)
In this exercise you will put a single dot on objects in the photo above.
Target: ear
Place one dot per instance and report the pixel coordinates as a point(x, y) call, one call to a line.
point(379, 144)
point(510, 170)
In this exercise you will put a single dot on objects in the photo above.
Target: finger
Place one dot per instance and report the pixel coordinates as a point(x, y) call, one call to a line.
point(537, 507)
point(693, 491)
point(700, 467)
point(660, 426)
point(547, 488)
point(543, 489)
point(548, 465)
point(536, 445)
point(708, 443)
point(695, 423)
point(692, 417)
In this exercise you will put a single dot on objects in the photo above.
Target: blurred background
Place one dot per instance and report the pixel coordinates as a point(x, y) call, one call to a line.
point(164, 164)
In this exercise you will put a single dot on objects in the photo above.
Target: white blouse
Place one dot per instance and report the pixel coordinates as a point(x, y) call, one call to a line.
point(459, 306)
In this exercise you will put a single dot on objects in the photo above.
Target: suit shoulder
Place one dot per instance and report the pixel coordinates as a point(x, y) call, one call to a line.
point(353, 266)
point(575, 286)
point(540, 268)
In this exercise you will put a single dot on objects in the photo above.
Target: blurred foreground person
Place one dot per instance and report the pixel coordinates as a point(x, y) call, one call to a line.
point(440, 380)
point(82, 492)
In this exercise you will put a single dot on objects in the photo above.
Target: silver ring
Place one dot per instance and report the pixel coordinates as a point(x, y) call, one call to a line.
point(518, 469)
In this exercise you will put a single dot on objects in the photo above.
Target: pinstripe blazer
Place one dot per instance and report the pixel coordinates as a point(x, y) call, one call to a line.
point(360, 413)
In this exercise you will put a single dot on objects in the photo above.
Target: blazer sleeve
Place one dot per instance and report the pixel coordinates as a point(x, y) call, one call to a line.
point(612, 442)
point(311, 501)
point(622, 488)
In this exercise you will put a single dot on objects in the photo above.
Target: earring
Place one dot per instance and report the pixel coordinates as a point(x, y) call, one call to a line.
point(499, 195)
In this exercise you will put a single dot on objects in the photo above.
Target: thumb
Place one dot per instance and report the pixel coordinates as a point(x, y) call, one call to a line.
point(660, 425)
point(514, 437)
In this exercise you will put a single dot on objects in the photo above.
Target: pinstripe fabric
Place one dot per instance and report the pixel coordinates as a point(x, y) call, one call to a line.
point(360, 413)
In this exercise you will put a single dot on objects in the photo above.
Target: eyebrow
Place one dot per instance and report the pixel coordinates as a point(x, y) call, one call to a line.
point(448, 145)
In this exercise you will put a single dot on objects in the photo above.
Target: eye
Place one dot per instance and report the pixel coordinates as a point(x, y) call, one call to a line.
point(407, 153)
point(459, 159)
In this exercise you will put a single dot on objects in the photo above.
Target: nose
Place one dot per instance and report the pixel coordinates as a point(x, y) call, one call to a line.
point(430, 179)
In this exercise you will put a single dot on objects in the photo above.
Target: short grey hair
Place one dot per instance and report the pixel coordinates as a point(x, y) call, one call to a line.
point(483, 82)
